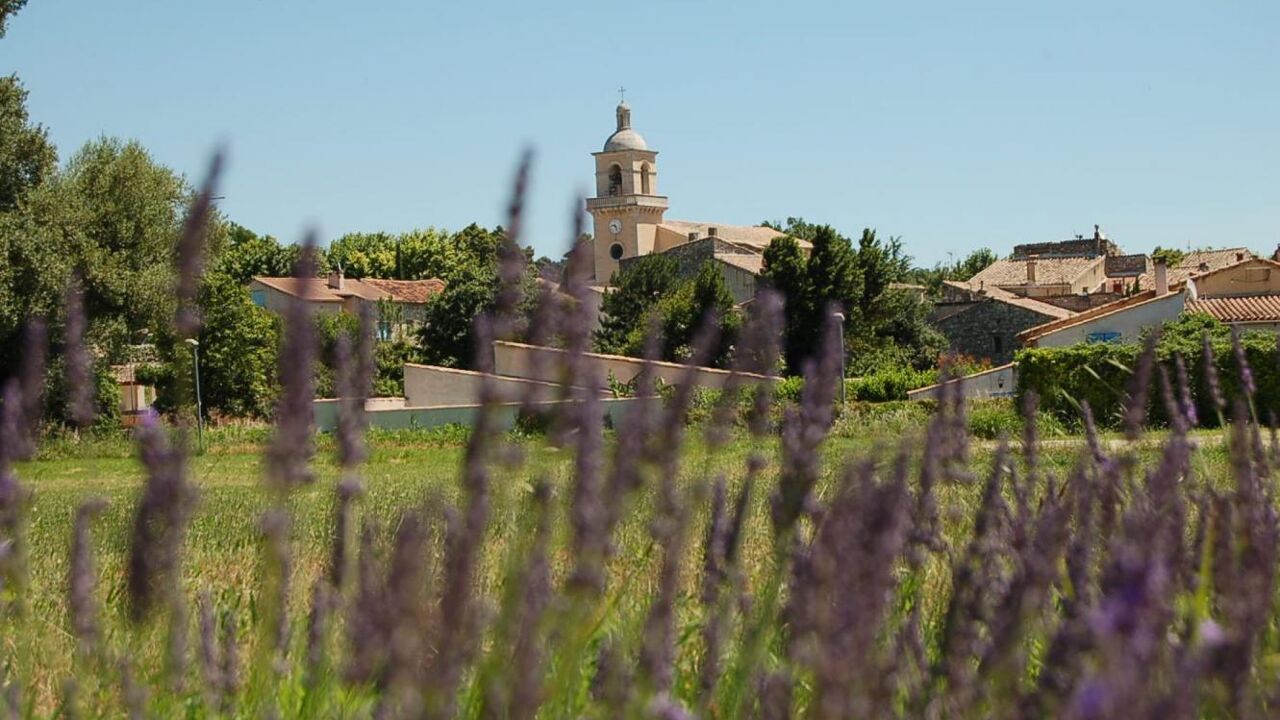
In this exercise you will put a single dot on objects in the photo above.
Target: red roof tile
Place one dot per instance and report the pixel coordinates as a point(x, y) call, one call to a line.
point(412, 292)
point(409, 291)
point(1254, 308)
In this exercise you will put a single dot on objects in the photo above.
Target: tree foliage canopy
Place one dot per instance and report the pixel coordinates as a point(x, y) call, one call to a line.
point(884, 326)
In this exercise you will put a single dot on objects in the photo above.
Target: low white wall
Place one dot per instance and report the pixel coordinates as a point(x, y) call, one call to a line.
point(532, 362)
point(432, 386)
point(994, 383)
point(326, 414)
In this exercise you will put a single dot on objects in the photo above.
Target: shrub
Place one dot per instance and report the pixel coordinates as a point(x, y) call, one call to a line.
point(1100, 373)
point(889, 384)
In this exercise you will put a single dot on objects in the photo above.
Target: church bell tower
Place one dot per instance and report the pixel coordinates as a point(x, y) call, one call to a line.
point(627, 207)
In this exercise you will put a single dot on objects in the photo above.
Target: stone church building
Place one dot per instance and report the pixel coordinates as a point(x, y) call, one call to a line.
point(630, 219)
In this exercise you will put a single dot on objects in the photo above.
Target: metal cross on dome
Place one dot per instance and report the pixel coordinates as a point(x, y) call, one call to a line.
point(622, 94)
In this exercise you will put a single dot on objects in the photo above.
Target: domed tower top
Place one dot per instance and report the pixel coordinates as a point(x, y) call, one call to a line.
point(624, 138)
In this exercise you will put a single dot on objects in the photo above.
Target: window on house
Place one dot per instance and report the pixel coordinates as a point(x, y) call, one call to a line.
point(615, 251)
point(384, 331)
point(1098, 337)
point(259, 297)
point(997, 343)
point(615, 180)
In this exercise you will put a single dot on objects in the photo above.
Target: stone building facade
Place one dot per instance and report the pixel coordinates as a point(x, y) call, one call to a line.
point(988, 329)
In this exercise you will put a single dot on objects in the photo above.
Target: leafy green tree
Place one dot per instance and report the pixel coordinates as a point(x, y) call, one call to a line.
point(447, 336)
point(26, 155)
point(796, 227)
point(785, 272)
point(112, 215)
point(832, 274)
point(932, 278)
point(638, 289)
point(244, 254)
point(364, 255)
point(884, 326)
point(973, 263)
point(128, 212)
point(7, 9)
point(239, 351)
point(1171, 256)
point(704, 298)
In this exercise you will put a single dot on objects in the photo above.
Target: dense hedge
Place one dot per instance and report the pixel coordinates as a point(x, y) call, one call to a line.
point(1101, 373)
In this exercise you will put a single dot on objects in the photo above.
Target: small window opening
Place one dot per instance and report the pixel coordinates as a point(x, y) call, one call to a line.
point(615, 181)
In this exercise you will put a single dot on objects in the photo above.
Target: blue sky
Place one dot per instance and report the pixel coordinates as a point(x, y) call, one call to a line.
point(953, 125)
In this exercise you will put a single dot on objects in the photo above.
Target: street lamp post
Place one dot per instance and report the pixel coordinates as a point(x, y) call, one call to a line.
point(195, 361)
point(843, 397)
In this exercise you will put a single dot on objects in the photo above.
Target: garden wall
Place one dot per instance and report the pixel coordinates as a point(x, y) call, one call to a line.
point(431, 385)
point(326, 414)
point(532, 362)
point(997, 382)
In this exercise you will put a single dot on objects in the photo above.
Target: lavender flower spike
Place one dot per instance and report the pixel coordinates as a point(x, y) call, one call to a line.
point(289, 454)
point(82, 579)
point(1242, 365)
point(1211, 376)
point(79, 366)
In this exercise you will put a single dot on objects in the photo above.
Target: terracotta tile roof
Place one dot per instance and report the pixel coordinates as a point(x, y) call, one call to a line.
point(1049, 271)
point(1254, 308)
point(313, 289)
point(1198, 262)
point(408, 291)
point(317, 289)
point(753, 264)
point(757, 236)
point(994, 293)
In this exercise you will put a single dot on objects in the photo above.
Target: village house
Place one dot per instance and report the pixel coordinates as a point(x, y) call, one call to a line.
point(1244, 293)
point(400, 303)
point(1038, 283)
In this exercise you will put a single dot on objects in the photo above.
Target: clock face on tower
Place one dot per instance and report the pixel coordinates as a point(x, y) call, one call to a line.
point(615, 226)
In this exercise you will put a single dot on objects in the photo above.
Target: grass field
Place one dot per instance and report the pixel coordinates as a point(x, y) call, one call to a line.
point(223, 553)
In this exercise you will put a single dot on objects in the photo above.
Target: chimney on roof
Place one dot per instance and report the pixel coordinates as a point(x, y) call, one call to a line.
point(1162, 277)
point(711, 231)
point(335, 279)
point(1239, 256)
point(1031, 269)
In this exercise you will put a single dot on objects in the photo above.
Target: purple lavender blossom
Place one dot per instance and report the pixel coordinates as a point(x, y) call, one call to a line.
point(160, 519)
point(1242, 365)
point(79, 365)
point(1211, 375)
point(191, 250)
point(291, 448)
point(83, 606)
point(1184, 389)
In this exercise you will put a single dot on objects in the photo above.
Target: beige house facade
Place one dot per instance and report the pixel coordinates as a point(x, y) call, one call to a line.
point(1245, 294)
point(401, 304)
